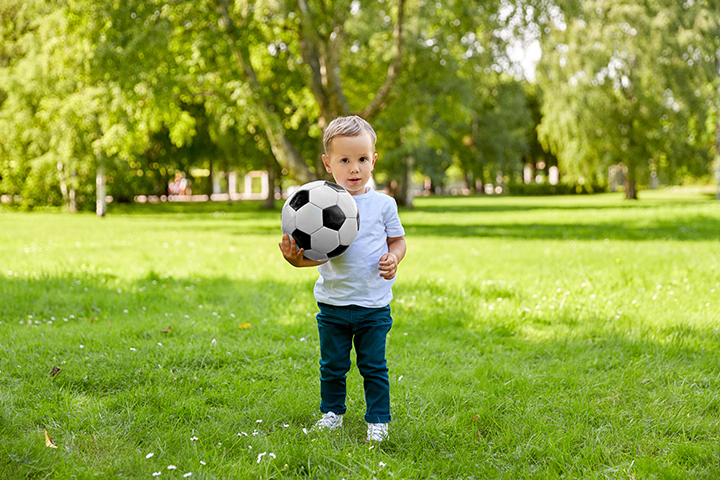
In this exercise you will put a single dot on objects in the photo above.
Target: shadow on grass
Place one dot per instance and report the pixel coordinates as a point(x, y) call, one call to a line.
point(697, 228)
point(189, 208)
point(99, 297)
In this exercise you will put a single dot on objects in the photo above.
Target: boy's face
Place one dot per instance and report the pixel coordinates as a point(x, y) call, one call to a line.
point(351, 161)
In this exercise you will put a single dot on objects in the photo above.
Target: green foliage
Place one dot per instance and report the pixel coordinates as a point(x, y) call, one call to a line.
point(630, 82)
point(454, 109)
point(539, 189)
point(147, 88)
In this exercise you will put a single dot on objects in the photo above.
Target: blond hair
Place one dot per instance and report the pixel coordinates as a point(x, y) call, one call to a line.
point(350, 126)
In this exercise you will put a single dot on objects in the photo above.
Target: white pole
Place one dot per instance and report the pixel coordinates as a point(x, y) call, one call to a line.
point(100, 203)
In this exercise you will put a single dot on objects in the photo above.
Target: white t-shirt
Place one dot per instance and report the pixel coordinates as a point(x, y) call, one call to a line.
point(354, 278)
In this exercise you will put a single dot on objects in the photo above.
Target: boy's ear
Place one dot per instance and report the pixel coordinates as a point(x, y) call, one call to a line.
point(374, 159)
point(326, 162)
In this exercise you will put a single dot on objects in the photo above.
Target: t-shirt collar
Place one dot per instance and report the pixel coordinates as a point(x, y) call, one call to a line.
point(366, 194)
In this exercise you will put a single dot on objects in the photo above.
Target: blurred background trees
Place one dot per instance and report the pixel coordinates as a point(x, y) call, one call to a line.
point(631, 82)
point(124, 96)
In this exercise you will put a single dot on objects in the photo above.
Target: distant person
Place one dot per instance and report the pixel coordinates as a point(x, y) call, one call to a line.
point(183, 186)
point(172, 188)
point(354, 290)
point(178, 185)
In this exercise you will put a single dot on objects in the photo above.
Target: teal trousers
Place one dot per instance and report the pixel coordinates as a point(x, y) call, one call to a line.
point(366, 328)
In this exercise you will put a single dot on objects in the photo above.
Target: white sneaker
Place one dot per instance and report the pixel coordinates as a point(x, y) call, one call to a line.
point(377, 432)
point(329, 421)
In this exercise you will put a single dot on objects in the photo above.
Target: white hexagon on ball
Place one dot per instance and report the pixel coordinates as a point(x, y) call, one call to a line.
point(323, 197)
point(348, 232)
point(309, 218)
point(324, 240)
point(288, 220)
point(315, 256)
point(347, 204)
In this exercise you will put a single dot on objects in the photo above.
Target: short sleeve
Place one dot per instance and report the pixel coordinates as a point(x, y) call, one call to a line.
point(393, 227)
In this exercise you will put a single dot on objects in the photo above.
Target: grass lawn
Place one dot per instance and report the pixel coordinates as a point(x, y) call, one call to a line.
point(563, 337)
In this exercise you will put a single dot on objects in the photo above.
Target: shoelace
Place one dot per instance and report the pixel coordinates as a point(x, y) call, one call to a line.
point(377, 430)
point(328, 420)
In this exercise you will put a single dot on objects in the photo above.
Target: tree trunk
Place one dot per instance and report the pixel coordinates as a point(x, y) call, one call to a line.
point(630, 182)
point(407, 182)
point(73, 201)
point(401, 190)
point(68, 194)
point(100, 189)
point(273, 175)
point(479, 175)
point(211, 179)
point(228, 185)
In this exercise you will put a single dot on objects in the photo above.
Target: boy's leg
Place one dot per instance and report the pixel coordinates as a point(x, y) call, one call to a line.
point(335, 345)
point(371, 328)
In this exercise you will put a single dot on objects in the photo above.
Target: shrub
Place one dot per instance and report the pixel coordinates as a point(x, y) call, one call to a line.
point(540, 189)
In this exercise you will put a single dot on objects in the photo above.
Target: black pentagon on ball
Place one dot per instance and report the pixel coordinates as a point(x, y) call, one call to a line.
point(301, 198)
point(338, 251)
point(333, 217)
point(302, 239)
point(334, 186)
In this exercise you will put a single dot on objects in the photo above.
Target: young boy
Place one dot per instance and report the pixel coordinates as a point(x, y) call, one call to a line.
point(354, 290)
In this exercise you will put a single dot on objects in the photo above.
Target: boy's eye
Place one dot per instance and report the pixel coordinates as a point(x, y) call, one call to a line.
point(344, 160)
point(363, 159)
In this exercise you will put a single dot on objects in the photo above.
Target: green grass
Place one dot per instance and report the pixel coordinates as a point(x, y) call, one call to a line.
point(567, 337)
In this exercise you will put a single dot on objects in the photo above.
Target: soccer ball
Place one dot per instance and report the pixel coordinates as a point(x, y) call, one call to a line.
point(323, 219)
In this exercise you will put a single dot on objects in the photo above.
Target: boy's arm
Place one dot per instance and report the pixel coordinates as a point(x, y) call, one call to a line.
point(293, 255)
point(389, 261)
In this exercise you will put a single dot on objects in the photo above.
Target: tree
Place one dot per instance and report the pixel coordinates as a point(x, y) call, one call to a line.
point(464, 109)
point(623, 83)
point(284, 73)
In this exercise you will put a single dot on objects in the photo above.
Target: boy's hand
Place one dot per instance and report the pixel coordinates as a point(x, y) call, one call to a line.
point(388, 266)
point(293, 255)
